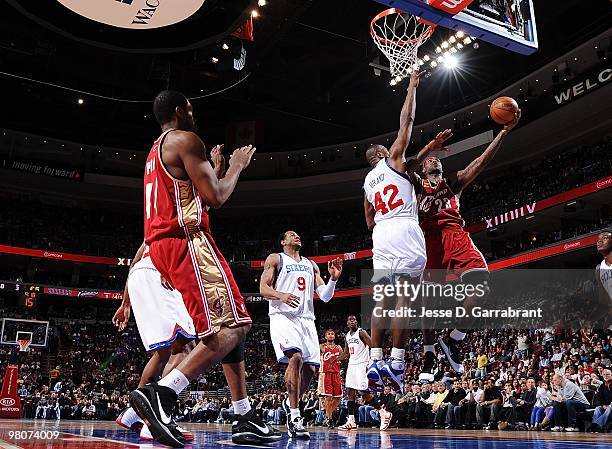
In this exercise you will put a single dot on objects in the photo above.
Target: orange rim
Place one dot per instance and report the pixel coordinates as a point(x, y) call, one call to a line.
point(428, 32)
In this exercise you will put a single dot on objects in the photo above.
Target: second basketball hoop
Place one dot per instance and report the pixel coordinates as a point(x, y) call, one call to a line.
point(399, 35)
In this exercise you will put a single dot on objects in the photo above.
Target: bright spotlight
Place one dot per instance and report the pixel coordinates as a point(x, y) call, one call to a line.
point(451, 62)
point(452, 40)
point(214, 59)
point(262, 2)
point(80, 101)
point(467, 40)
point(438, 50)
point(225, 46)
point(426, 58)
point(444, 44)
point(459, 45)
point(440, 59)
point(453, 50)
point(254, 13)
point(460, 34)
point(434, 64)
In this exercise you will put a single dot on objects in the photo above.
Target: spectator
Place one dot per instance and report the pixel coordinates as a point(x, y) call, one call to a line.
point(567, 404)
point(490, 403)
point(603, 403)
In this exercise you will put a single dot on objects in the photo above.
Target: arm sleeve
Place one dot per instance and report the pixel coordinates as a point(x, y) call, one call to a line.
point(326, 292)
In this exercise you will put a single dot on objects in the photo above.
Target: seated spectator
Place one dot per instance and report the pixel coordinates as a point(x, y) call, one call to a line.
point(526, 401)
point(507, 411)
point(567, 404)
point(469, 403)
point(603, 403)
point(489, 404)
point(452, 403)
point(438, 408)
point(542, 401)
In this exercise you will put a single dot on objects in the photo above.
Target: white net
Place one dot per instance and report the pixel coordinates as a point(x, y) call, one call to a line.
point(399, 35)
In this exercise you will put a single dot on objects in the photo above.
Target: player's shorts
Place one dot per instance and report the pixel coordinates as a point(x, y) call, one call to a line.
point(160, 313)
point(295, 333)
point(196, 268)
point(398, 248)
point(454, 253)
point(330, 384)
point(356, 376)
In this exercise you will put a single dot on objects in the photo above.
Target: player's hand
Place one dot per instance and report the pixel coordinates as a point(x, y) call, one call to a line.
point(290, 300)
point(335, 268)
point(164, 282)
point(437, 144)
point(242, 157)
point(216, 155)
point(510, 126)
point(415, 78)
point(121, 317)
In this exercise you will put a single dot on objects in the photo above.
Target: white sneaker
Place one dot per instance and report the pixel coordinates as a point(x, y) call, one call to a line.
point(571, 429)
point(349, 425)
point(145, 433)
point(556, 429)
point(385, 419)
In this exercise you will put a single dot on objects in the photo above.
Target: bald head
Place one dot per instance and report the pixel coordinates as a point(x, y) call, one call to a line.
point(375, 153)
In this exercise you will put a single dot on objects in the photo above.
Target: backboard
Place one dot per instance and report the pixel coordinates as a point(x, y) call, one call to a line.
point(506, 23)
point(13, 328)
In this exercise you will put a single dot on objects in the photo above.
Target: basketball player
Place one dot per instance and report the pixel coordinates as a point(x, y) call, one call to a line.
point(177, 177)
point(356, 349)
point(450, 249)
point(164, 324)
point(603, 277)
point(289, 282)
point(391, 211)
point(330, 384)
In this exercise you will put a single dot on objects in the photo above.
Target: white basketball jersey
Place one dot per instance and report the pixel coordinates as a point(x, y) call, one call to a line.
point(605, 275)
point(390, 192)
point(358, 350)
point(297, 278)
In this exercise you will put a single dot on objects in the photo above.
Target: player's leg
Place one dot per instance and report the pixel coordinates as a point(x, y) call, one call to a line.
point(350, 424)
point(211, 298)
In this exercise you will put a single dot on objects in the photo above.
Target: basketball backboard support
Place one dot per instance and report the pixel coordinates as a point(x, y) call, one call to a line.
point(13, 328)
point(508, 24)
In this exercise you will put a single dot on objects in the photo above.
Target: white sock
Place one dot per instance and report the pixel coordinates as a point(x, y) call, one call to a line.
point(428, 348)
point(376, 354)
point(130, 417)
point(242, 407)
point(457, 335)
point(350, 418)
point(175, 380)
point(398, 354)
point(295, 413)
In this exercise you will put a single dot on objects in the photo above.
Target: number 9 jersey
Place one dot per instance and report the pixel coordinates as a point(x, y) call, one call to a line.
point(398, 242)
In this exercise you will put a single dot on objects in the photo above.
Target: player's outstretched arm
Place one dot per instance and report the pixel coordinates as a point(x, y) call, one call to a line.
point(192, 152)
point(466, 176)
point(266, 283)
point(326, 291)
point(397, 151)
point(368, 210)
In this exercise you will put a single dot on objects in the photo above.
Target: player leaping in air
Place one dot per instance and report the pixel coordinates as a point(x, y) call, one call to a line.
point(391, 211)
point(451, 253)
point(289, 282)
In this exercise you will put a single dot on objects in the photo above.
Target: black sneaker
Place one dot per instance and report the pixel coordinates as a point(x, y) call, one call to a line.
point(296, 429)
point(154, 404)
point(453, 353)
point(249, 429)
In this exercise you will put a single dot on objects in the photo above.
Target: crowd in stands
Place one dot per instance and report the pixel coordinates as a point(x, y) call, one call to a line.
point(553, 378)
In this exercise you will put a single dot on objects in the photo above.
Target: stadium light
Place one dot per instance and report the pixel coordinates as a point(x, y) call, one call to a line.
point(467, 40)
point(438, 50)
point(460, 34)
point(426, 58)
point(214, 59)
point(254, 13)
point(80, 101)
point(452, 40)
point(444, 44)
point(225, 46)
point(451, 62)
point(262, 2)
point(433, 65)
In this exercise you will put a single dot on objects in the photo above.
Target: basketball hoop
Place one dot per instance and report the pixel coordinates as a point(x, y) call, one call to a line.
point(24, 345)
point(399, 35)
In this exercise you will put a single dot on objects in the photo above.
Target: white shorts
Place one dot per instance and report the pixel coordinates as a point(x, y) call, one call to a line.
point(398, 248)
point(160, 313)
point(356, 376)
point(295, 333)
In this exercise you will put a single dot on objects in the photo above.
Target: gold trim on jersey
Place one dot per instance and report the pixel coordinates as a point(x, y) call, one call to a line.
point(190, 214)
point(160, 139)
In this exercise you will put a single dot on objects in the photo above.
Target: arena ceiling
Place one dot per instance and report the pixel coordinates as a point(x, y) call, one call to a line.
point(307, 78)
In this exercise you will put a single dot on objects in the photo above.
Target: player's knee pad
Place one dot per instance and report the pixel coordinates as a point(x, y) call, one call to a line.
point(236, 355)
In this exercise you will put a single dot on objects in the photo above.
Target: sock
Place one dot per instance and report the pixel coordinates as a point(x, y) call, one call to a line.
point(351, 419)
point(428, 348)
point(242, 407)
point(130, 417)
point(376, 354)
point(351, 406)
point(398, 354)
point(175, 380)
point(295, 413)
point(457, 335)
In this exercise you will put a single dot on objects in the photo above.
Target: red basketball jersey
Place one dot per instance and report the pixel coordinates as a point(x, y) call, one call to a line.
point(330, 354)
point(439, 206)
point(172, 207)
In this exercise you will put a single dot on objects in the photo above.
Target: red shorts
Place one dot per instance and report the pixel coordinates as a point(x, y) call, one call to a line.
point(330, 384)
point(453, 252)
point(196, 268)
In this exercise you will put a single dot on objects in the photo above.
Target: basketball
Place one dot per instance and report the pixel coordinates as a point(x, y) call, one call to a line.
point(503, 110)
